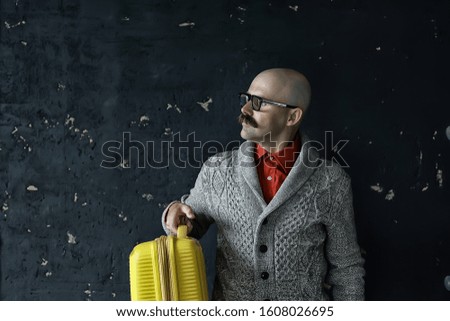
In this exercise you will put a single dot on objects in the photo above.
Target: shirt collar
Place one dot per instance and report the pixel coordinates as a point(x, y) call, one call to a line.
point(285, 157)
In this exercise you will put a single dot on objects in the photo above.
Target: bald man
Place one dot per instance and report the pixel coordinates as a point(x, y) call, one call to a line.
point(285, 225)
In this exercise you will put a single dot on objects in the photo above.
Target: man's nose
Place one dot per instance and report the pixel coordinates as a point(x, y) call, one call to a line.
point(247, 108)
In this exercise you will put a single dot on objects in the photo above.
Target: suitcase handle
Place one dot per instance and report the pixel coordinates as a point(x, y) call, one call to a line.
point(182, 231)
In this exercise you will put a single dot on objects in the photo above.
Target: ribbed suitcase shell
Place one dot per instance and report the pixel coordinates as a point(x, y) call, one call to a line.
point(169, 268)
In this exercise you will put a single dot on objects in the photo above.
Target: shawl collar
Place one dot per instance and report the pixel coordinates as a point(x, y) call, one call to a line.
point(305, 165)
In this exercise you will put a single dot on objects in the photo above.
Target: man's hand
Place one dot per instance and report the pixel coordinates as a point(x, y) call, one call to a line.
point(179, 214)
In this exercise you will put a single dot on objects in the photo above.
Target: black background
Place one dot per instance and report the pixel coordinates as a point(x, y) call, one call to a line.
point(76, 74)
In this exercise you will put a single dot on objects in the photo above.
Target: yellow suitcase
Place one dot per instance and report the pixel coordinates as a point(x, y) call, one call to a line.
point(169, 268)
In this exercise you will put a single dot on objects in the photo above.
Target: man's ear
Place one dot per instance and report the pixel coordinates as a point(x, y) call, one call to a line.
point(294, 117)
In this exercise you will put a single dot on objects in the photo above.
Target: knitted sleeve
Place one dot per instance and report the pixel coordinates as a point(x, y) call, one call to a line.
point(346, 271)
point(197, 199)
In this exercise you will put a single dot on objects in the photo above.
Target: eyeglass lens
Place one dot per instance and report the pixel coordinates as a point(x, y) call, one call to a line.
point(256, 101)
point(243, 99)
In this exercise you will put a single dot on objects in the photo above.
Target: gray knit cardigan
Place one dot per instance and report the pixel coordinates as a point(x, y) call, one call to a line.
point(300, 246)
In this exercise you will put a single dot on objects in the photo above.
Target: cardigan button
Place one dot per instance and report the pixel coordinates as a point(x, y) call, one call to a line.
point(264, 275)
point(263, 248)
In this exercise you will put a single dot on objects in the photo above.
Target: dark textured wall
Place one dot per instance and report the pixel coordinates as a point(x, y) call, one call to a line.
point(76, 74)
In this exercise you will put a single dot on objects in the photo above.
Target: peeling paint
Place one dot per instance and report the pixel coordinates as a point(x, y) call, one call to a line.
point(377, 188)
point(205, 105)
point(124, 164)
point(44, 262)
point(24, 43)
point(125, 19)
point(169, 106)
point(144, 120)
point(71, 239)
point(46, 123)
point(84, 204)
point(167, 132)
point(69, 121)
point(9, 26)
point(390, 195)
point(434, 134)
point(75, 197)
point(378, 48)
point(14, 131)
point(187, 24)
point(48, 274)
point(425, 188)
point(113, 294)
point(123, 217)
point(61, 87)
point(32, 188)
point(295, 8)
point(439, 178)
point(28, 230)
point(5, 207)
point(148, 197)
point(241, 8)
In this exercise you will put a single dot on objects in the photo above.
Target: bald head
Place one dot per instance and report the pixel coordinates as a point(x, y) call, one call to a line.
point(271, 123)
point(283, 85)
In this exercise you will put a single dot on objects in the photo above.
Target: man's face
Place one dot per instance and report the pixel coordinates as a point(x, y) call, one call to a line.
point(270, 121)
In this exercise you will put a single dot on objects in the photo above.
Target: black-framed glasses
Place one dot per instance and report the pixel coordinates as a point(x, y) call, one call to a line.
point(258, 101)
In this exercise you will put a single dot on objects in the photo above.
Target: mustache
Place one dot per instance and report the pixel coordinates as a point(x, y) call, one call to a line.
point(248, 119)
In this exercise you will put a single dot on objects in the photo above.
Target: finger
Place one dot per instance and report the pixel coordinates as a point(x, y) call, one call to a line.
point(169, 227)
point(172, 224)
point(189, 225)
point(189, 212)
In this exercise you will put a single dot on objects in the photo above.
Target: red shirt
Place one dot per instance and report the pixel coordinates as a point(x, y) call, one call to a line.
point(273, 168)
